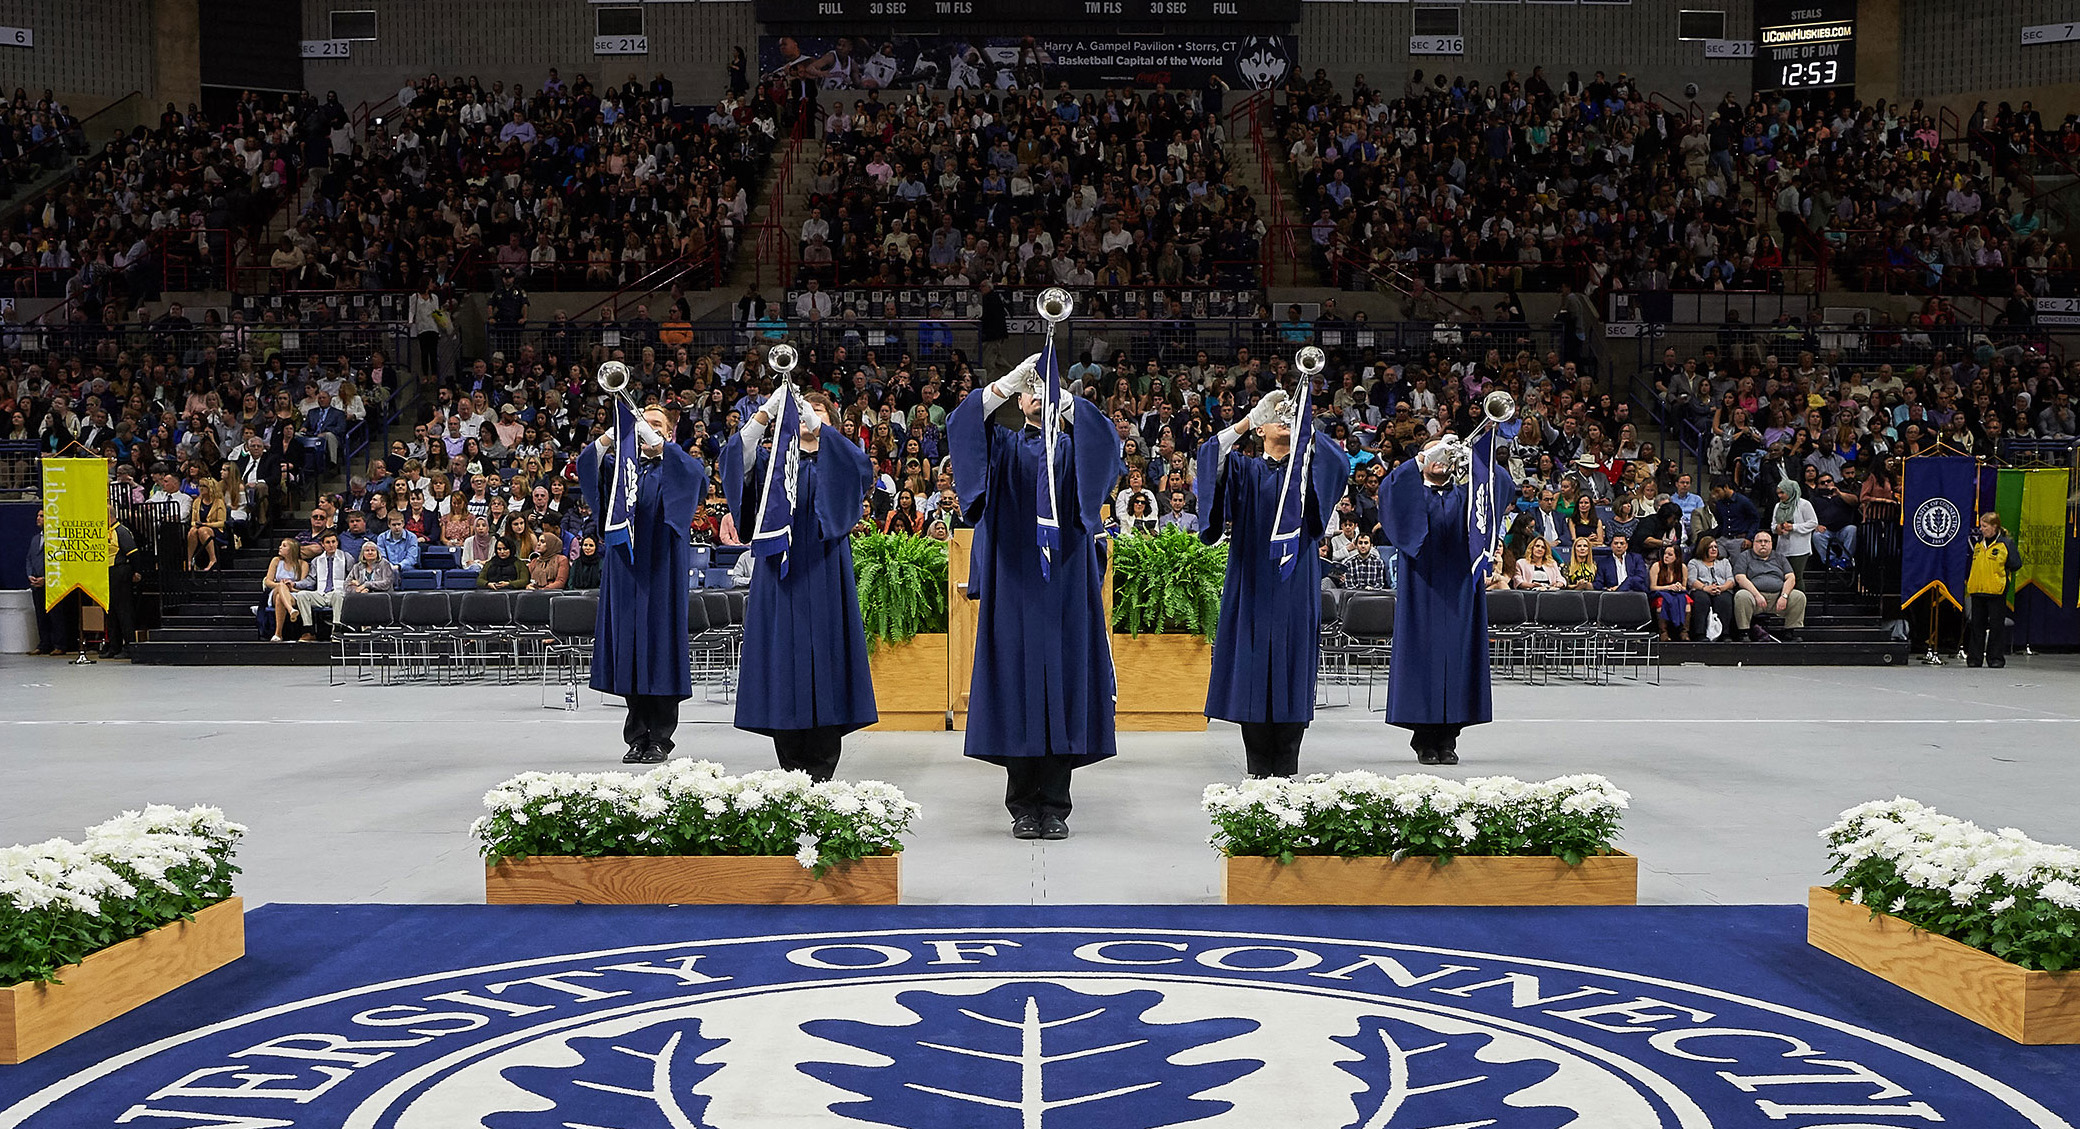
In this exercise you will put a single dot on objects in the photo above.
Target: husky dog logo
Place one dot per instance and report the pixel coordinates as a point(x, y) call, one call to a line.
point(1030, 1028)
point(1262, 61)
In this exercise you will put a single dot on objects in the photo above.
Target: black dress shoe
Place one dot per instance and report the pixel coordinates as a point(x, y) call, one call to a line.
point(1026, 827)
point(1447, 756)
point(645, 754)
point(1427, 756)
point(1054, 827)
point(1996, 663)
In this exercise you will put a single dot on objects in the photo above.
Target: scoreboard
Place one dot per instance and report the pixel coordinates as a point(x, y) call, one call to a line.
point(1805, 44)
point(942, 12)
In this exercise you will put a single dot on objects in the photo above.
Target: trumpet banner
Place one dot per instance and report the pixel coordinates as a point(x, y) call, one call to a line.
point(76, 549)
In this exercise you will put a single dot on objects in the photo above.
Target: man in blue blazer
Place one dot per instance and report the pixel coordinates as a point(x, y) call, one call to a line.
point(1623, 570)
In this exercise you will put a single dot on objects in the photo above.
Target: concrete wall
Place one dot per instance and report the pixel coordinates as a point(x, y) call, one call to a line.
point(1350, 38)
point(1955, 54)
point(519, 40)
point(90, 52)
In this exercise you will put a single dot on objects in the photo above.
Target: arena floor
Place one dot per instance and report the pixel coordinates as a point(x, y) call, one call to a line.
point(365, 793)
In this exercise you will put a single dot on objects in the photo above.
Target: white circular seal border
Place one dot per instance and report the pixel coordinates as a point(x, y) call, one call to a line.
point(18, 1113)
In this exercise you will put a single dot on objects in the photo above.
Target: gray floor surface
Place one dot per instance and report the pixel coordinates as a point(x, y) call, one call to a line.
point(364, 793)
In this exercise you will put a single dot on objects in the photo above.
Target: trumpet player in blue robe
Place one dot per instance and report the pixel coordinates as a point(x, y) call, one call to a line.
point(644, 487)
point(805, 681)
point(1032, 482)
point(1274, 507)
point(1441, 510)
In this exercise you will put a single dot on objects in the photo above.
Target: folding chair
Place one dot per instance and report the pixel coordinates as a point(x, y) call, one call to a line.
point(1622, 620)
point(530, 629)
point(424, 630)
point(484, 630)
point(1560, 637)
point(1507, 634)
point(1368, 620)
point(1334, 667)
point(365, 619)
point(571, 623)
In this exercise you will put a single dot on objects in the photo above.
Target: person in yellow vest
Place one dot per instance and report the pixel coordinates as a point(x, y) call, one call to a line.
point(1994, 563)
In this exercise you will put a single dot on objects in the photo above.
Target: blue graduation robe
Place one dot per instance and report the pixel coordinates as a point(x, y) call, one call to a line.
point(1043, 682)
point(639, 639)
point(1267, 649)
point(805, 652)
point(1439, 675)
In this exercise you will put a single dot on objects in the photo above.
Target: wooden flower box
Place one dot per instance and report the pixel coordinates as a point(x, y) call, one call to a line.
point(1162, 682)
point(36, 1017)
point(910, 684)
point(632, 880)
point(1468, 880)
point(2027, 1006)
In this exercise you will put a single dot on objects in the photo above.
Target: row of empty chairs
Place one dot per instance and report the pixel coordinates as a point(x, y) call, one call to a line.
point(507, 635)
point(1532, 636)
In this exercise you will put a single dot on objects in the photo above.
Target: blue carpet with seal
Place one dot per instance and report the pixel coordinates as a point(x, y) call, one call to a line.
point(449, 1017)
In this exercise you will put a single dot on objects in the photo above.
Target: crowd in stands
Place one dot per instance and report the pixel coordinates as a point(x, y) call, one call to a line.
point(34, 133)
point(1129, 188)
point(560, 185)
point(1535, 180)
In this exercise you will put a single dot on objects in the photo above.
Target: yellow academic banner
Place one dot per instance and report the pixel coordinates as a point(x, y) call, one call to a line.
point(76, 550)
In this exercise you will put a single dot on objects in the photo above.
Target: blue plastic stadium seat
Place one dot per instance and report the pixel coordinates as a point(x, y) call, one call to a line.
point(459, 578)
point(417, 579)
point(438, 557)
point(718, 578)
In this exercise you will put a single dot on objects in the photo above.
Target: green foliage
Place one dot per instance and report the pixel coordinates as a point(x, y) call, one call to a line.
point(61, 902)
point(690, 808)
point(1167, 583)
point(902, 586)
point(1361, 815)
point(1998, 891)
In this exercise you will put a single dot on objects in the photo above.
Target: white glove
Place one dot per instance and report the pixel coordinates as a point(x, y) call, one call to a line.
point(647, 435)
point(1065, 406)
point(1025, 377)
point(810, 420)
point(774, 403)
point(1269, 408)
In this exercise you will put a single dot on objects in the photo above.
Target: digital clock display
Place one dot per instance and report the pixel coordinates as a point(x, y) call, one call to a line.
point(1805, 44)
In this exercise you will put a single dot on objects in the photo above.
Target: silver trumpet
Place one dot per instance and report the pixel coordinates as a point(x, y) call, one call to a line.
point(1056, 304)
point(1310, 360)
point(783, 358)
point(614, 380)
point(1497, 408)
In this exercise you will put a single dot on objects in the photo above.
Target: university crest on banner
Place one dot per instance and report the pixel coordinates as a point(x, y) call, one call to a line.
point(76, 549)
point(1940, 503)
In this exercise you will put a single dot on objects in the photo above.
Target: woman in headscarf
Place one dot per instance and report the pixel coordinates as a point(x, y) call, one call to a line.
point(585, 569)
point(1794, 523)
point(477, 547)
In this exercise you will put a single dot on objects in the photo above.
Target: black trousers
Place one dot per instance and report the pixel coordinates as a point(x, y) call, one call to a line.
point(1434, 738)
point(652, 719)
point(1272, 748)
point(118, 619)
point(1985, 630)
point(1037, 786)
point(814, 751)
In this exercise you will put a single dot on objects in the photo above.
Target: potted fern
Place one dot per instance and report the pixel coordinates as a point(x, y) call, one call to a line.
point(1166, 598)
point(903, 606)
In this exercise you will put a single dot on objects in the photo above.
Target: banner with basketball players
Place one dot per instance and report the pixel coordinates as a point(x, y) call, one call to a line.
point(1941, 502)
point(1000, 62)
